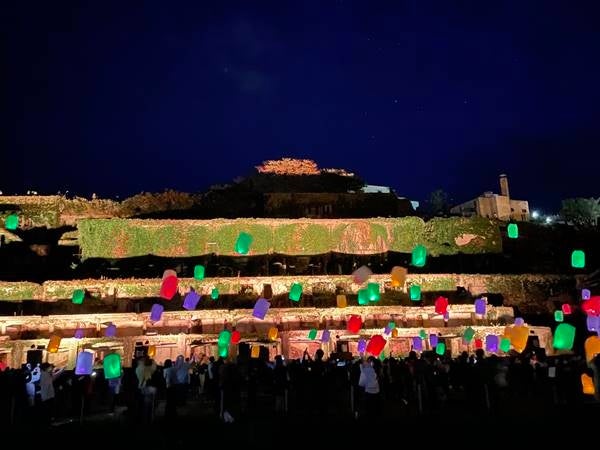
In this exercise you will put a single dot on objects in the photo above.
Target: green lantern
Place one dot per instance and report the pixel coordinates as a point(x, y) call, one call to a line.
point(112, 366)
point(223, 351)
point(224, 338)
point(78, 296)
point(469, 334)
point(440, 349)
point(423, 334)
point(578, 259)
point(373, 290)
point(392, 325)
point(11, 222)
point(242, 245)
point(558, 316)
point(312, 334)
point(363, 296)
point(419, 256)
point(415, 293)
point(513, 230)
point(296, 292)
point(199, 272)
point(214, 294)
point(505, 345)
point(564, 337)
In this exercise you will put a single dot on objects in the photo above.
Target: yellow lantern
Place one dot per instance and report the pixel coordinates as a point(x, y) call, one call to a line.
point(341, 301)
point(255, 351)
point(518, 337)
point(395, 332)
point(592, 347)
point(54, 344)
point(273, 333)
point(587, 384)
point(152, 351)
point(398, 276)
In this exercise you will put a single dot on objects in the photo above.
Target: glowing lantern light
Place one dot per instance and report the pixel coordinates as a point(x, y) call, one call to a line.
point(354, 324)
point(255, 351)
point(578, 259)
point(419, 256)
point(559, 316)
point(513, 230)
point(423, 334)
point(168, 289)
point(296, 292)
point(374, 295)
point(391, 325)
point(79, 333)
point(156, 312)
point(223, 350)
point(84, 364)
point(433, 340)
point(375, 345)
point(468, 334)
point(387, 330)
point(362, 346)
point(168, 273)
point(214, 294)
point(441, 305)
point(592, 306)
point(519, 321)
point(592, 347)
point(11, 222)
point(151, 351)
point(566, 308)
point(243, 243)
point(111, 330)
point(398, 276)
point(440, 349)
point(491, 343)
point(480, 306)
point(417, 344)
point(112, 366)
point(363, 296)
point(191, 300)
point(361, 275)
point(478, 343)
point(235, 337)
point(395, 333)
point(587, 383)
point(593, 323)
point(518, 337)
point(260, 308)
point(505, 344)
point(199, 272)
point(564, 336)
point(341, 301)
point(78, 296)
point(54, 344)
point(446, 316)
point(415, 293)
point(585, 294)
point(224, 338)
point(273, 332)
point(312, 334)
point(325, 336)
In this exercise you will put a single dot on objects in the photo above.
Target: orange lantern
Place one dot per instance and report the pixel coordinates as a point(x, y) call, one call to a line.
point(255, 352)
point(592, 347)
point(342, 302)
point(518, 337)
point(395, 332)
point(398, 276)
point(587, 384)
point(152, 351)
point(273, 332)
point(54, 344)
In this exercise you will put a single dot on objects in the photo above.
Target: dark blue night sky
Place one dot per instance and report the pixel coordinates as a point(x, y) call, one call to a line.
point(120, 97)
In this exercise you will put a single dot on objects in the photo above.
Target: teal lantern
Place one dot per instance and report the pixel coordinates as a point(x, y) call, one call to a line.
point(363, 296)
point(373, 290)
point(199, 272)
point(214, 294)
point(578, 259)
point(243, 243)
point(312, 334)
point(513, 230)
point(296, 292)
point(11, 222)
point(415, 293)
point(78, 296)
point(564, 336)
point(419, 256)
point(112, 366)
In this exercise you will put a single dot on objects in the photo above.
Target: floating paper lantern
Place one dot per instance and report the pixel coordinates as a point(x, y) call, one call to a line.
point(519, 321)
point(446, 316)
point(79, 333)
point(419, 256)
point(480, 306)
point(168, 289)
point(505, 344)
point(592, 347)
point(11, 222)
point(566, 308)
point(235, 337)
point(374, 295)
point(361, 275)
point(592, 306)
point(151, 351)
point(513, 230)
point(341, 301)
point(387, 330)
point(362, 346)
point(78, 296)
point(433, 340)
point(224, 338)
point(191, 300)
point(440, 349)
point(325, 336)
point(54, 344)
point(312, 334)
point(223, 350)
point(518, 337)
point(391, 325)
point(395, 333)
point(363, 296)
point(84, 364)
point(578, 259)
point(441, 305)
point(296, 292)
point(199, 272)
point(585, 294)
point(243, 243)
point(273, 332)
point(423, 334)
point(375, 345)
point(255, 351)
point(168, 273)
point(478, 343)
point(564, 336)
point(593, 323)
point(156, 312)
point(415, 293)
point(112, 366)
point(260, 308)
point(559, 316)
point(354, 324)
point(398, 276)
point(587, 384)
point(214, 294)
point(417, 344)
point(111, 330)
point(468, 334)
point(491, 343)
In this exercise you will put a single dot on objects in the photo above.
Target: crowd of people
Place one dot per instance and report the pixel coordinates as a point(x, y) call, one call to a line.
point(364, 388)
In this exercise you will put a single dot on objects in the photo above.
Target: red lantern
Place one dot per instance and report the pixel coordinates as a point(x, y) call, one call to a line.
point(354, 324)
point(441, 305)
point(592, 306)
point(376, 345)
point(168, 289)
point(566, 308)
point(478, 343)
point(235, 337)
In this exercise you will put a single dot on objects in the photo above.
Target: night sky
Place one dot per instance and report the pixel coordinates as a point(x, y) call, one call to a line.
point(120, 97)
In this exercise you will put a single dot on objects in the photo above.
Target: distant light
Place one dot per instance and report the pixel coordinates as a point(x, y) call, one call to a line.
point(535, 214)
point(548, 219)
point(94, 373)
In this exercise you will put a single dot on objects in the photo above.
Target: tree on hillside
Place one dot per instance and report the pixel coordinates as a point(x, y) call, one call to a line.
point(438, 203)
point(581, 211)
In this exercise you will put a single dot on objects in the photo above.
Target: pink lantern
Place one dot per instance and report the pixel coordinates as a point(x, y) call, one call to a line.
point(156, 312)
point(168, 289)
point(361, 275)
point(433, 340)
point(566, 308)
point(260, 308)
point(491, 343)
point(325, 336)
point(111, 330)
point(169, 273)
point(417, 344)
point(191, 300)
point(376, 345)
point(84, 364)
point(441, 305)
point(354, 324)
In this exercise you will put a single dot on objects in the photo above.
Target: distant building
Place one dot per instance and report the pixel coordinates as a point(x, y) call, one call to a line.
point(494, 206)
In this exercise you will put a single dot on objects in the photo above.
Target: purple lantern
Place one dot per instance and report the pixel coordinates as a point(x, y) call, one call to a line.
point(191, 300)
point(446, 316)
point(111, 330)
point(593, 323)
point(325, 336)
point(260, 308)
point(433, 340)
point(585, 294)
point(85, 363)
point(79, 333)
point(519, 321)
point(362, 346)
point(491, 343)
point(480, 307)
point(387, 330)
point(417, 344)
point(155, 312)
